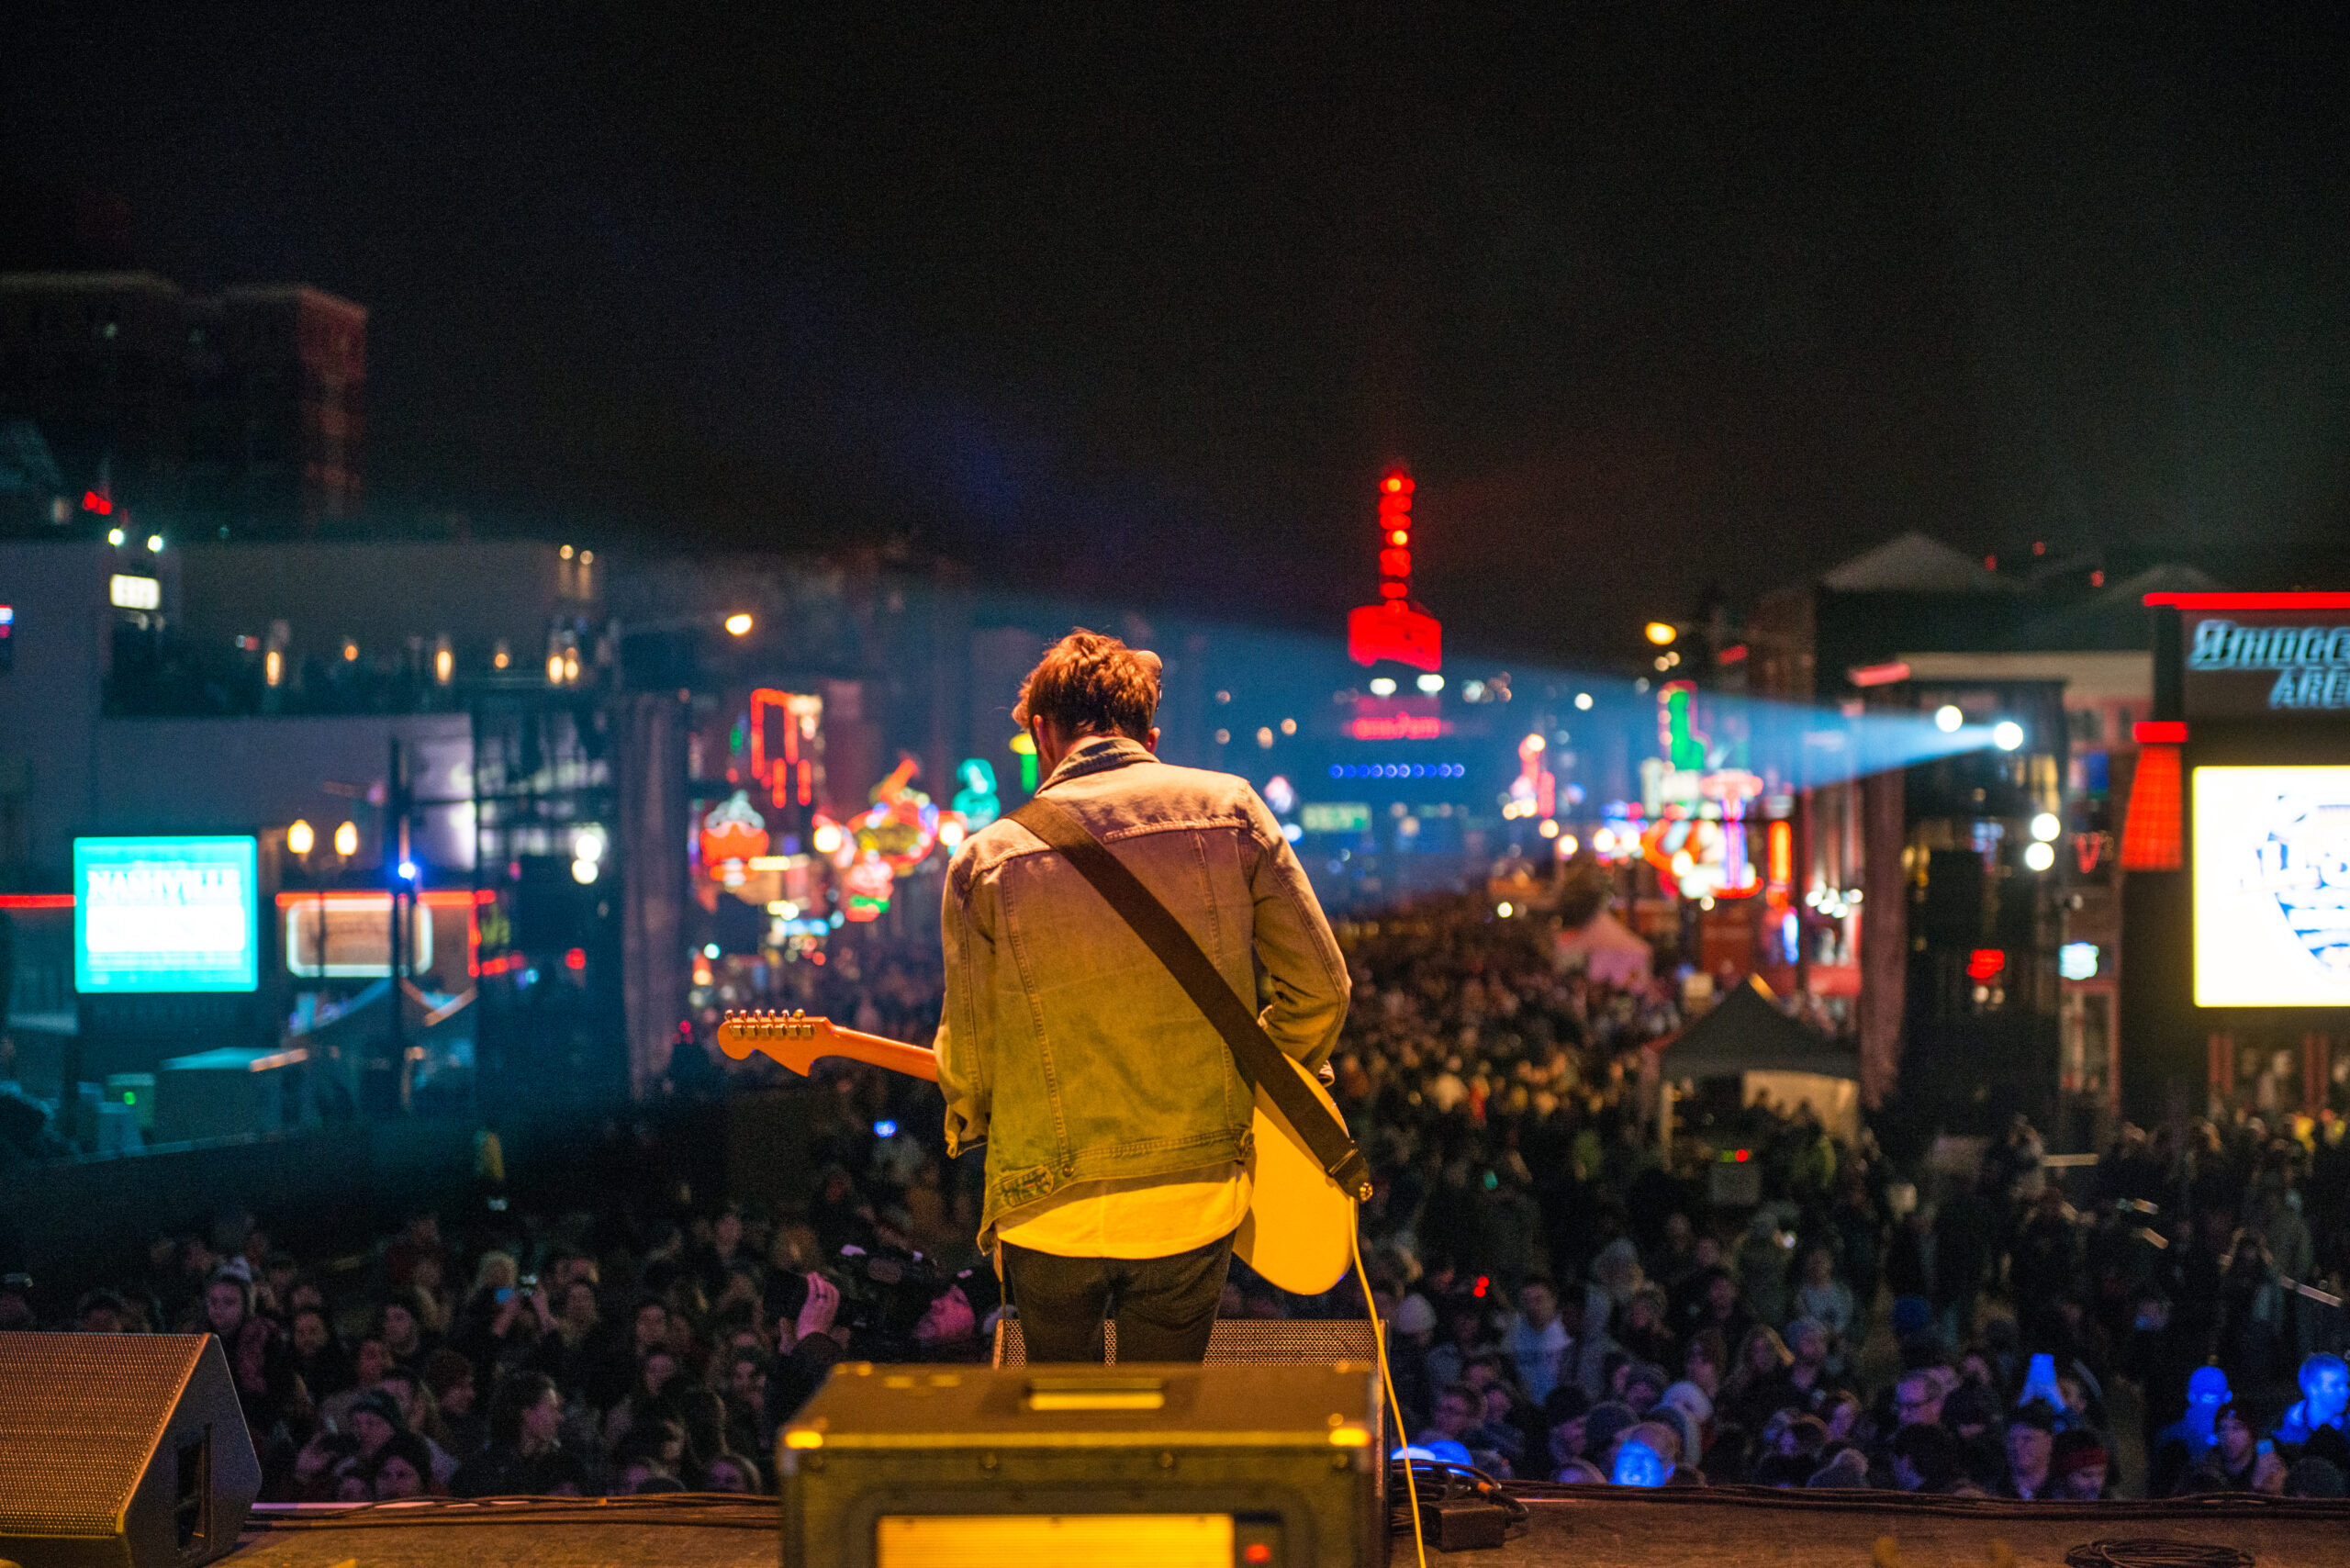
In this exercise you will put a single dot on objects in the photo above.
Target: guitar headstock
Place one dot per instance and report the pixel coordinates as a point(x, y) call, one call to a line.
point(796, 1039)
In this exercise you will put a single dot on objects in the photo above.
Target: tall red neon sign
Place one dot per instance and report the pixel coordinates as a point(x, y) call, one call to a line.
point(1396, 628)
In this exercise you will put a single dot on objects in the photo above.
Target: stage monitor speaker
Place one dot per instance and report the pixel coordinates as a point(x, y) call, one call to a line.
point(1284, 1341)
point(120, 1450)
point(1073, 1467)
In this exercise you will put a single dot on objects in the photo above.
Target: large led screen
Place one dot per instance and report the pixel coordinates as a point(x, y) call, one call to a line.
point(166, 914)
point(2272, 887)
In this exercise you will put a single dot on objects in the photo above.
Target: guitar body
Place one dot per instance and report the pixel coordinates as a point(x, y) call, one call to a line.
point(1301, 1225)
point(1299, 1233)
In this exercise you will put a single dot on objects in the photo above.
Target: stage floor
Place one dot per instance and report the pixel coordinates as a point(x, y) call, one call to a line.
point(1718, 1529)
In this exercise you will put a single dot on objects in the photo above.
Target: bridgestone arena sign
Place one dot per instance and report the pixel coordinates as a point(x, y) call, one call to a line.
point(2236, 669)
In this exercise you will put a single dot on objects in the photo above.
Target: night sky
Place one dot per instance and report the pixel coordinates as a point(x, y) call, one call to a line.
point(1648, 296)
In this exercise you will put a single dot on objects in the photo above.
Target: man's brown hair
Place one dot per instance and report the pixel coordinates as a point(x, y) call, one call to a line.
point(1088, 684)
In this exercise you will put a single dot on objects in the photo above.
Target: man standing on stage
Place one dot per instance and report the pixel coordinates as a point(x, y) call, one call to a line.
point(1115, 1120)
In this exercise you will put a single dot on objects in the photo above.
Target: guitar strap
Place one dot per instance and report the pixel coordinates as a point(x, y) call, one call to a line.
point(1260, 1060)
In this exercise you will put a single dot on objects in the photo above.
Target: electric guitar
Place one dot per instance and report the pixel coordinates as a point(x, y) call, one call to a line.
point(1300, 1228)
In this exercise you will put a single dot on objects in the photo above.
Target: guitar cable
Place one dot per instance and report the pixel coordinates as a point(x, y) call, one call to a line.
point(1387, 1382)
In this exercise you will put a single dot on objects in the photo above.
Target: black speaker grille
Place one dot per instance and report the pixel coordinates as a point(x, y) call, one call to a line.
point(79, 1414)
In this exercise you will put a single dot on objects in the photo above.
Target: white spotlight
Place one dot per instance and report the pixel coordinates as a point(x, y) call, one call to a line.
point(2039, 856)
point(2045, 828)
point(1947, 718)
point(2007, 734)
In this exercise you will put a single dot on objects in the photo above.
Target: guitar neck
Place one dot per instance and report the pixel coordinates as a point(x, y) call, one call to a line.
point(799, 1041)
point(874, 1051)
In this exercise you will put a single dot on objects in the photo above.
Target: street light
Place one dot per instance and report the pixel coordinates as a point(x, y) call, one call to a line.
point(1660, 633)
point(299, 838)
point(346, 840)
point(738, 625)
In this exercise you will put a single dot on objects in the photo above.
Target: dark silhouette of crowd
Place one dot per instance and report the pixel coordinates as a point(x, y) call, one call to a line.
point(1564, 1299)
point(1568, 1301)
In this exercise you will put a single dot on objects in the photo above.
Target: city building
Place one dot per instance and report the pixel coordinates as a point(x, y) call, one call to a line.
point(1968, 903)
point(233, 416)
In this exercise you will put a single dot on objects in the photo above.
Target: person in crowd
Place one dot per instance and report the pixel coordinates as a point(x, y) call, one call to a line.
point(1810, 1345)
point(370, 1362)
point(1823, 1299)
point(956, 1324)
point(2232, 1459)
point(2311, 1476)
point(1455, 1416)
point(2325, 1395)
point(418, 1238)
point(2185, 1442)
point(1720, 1309)
point(525, 1455)
point(1538, 1341)
point(449, 1379)
point(730, 1472)
point(403, 1334)
point(1926, 1457)
point(1918, 1399)
point(1602, 1426)
point(401, 1468)
point(2032, 1449)
point(2081, 1466)
point(260, 1357)
point(1644, 1331)
point(1763, 1267)
point(1646, 1455)
point(1759, 1383)
point(1704, 1363)
point(375, 1420)
point(320, 1359)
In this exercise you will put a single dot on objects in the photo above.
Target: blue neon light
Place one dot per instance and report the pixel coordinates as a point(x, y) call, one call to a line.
point(1398, 771)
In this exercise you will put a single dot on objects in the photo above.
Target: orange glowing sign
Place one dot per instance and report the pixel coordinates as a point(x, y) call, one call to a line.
point(732, 834)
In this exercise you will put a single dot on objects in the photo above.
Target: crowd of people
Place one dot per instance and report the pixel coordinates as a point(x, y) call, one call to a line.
point(1565, 1300)
point(1568, 1303)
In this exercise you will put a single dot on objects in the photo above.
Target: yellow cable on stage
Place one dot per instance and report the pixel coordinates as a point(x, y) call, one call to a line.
point(1387, 1382)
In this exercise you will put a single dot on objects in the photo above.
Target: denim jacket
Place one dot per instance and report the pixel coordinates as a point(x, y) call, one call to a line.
point(1065, 1043)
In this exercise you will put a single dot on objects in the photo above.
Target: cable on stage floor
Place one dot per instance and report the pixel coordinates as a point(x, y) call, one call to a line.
point(1442, 1481)
point(1387, 1383)
point(709, 1510)
point(2155, 1552)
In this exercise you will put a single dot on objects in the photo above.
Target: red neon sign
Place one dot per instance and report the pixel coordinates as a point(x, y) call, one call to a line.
point(1395, 628)
point(1397, 727)
point(1394, 631)
point(2251, 601)
point(1985, 964)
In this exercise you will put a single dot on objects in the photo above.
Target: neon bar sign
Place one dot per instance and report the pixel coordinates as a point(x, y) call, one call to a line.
point(2312, 662)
